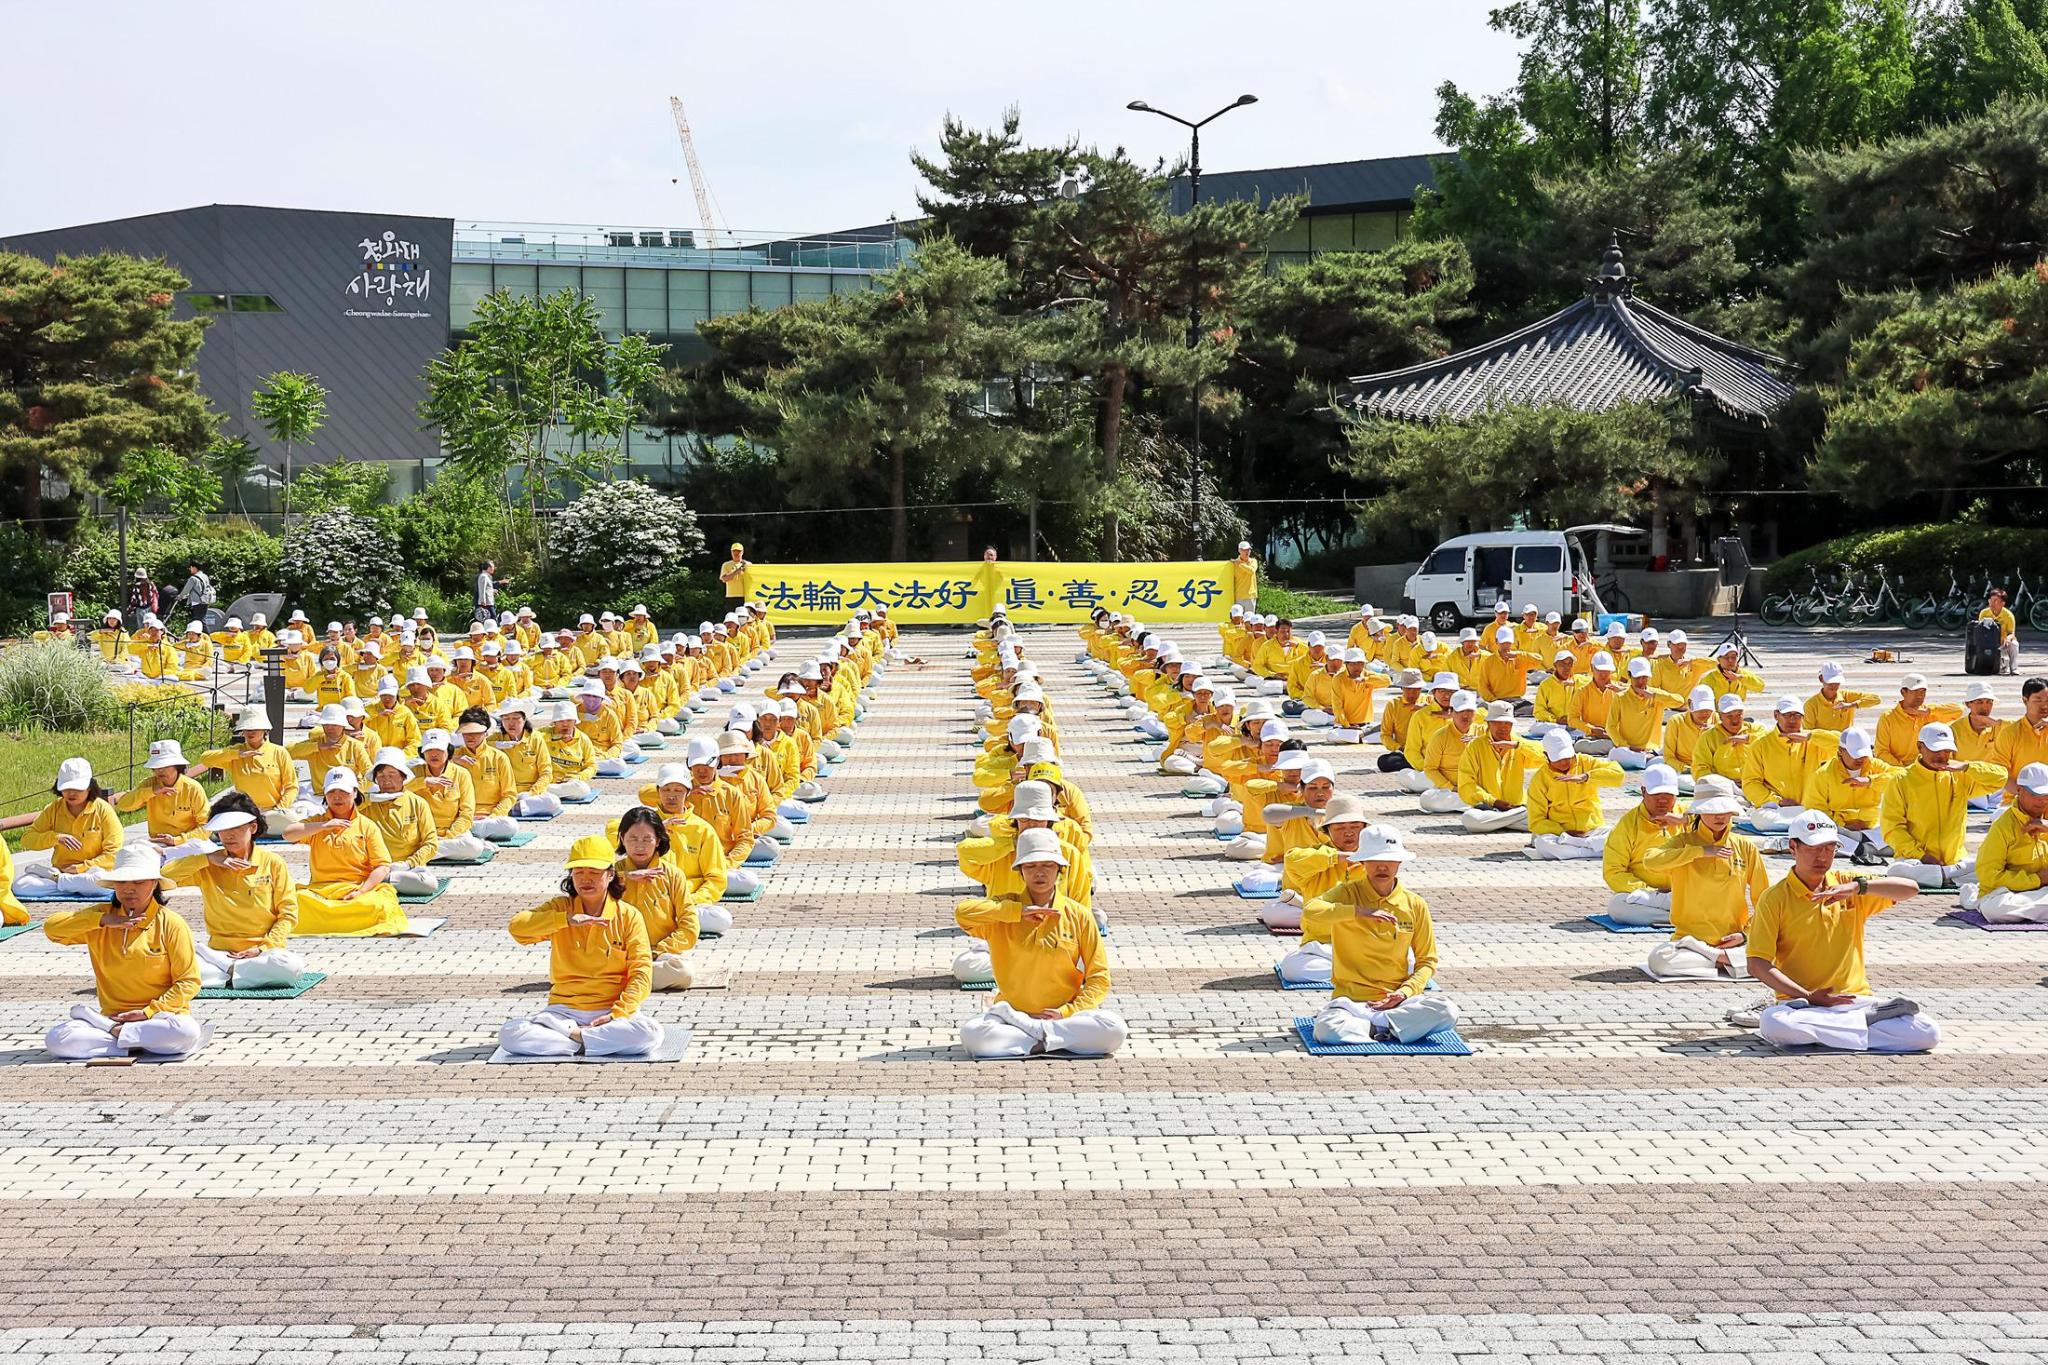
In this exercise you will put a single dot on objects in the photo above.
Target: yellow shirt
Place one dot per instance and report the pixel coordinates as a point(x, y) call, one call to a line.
point(173, 812)
point(342, 859)
point(1720, 754)
point(1924, 810)
point(1742, 683)
point(1244, 579)
point(1839, 714)
point(664, 903)
point(97, 829)
point(1554, 697)
point(407, 824)
point(150, 967)
point(1314, 871)
point(1486, 775)
point(394, 724)
point(1897, 741)
point(320, 756)
point(1505, 679)
point(574, 758)
point(1777, 767)
point(1592, 706)
point(1371, 958)
point(1056, 964)
point(725, 808)
point(2006, 625)
point(253, 909)
point(1831, 790)
point(453, 806)
point(491, 779)
point(606, 965)
point(1446, 755)
point(2019, 744)
point(1623, 860)
point(1682, 740)
point(1560, 807)
point(1819, 946)
point(1636, 720)
point(2011, 858)
point(1711, 898)
point(533, 769)
point(1679, 678)
point(264, 774)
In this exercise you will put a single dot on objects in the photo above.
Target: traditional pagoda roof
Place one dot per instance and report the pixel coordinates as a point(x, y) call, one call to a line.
point(1607, 349)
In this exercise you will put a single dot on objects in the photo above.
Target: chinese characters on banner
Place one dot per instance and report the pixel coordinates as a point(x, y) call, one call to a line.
point(961, 593)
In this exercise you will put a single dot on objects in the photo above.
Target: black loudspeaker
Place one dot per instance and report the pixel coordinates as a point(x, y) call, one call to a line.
point(1733, 558)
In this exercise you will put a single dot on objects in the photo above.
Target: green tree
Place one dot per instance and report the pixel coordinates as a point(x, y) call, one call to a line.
point(535, 389)
point(92, 368)
point(348, 485)
point(291, 406)
point(233, 460)
point(1975, 53)
point(158, 474)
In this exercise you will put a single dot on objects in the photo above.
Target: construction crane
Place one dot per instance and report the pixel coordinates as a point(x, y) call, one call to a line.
point(697, 185)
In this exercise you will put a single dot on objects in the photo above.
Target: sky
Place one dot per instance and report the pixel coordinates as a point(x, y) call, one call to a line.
point(804, 113)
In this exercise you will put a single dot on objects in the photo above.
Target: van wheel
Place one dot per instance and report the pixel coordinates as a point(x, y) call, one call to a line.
point(1444, 618)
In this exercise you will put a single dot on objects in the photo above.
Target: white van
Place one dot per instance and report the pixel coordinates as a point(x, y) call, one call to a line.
point(1466, 575)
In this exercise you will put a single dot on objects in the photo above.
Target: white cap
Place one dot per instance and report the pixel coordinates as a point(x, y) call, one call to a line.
point(391, 756)
point(1616, 631)
point(464, 652)
point(1813, 828)
point(2033, 779)
point(672, 775)
point(1443, 681)
point(140, 861)
point(1979, 691)
point(74, 775)
point(1714, 797)
point(1502, 607)
point(1293, 761)
point(1856, 744)
point(229, 819)
point(1021, 728)
point(1504, 636)
point(703, 751)
point(1033, 801)
point(1464, 701)
point(1500, 710)
point(1035, 751)
point(1557, 745)
point(166, 753)
point(1788, 705)
point(1467, 634)
point(330, 714)
point(1938, 737)
point(586, 619)
point(1830, 673)
point(1638, 668)
point(1676, 637)
point(1038, 846)
point(516, 706)
point(341, 778)
point(387, 685)
point(1318, 770)
point(1913, 682)
point(1603, 662)
point(1552, 618)
point(1701, 698)
point(1659, 779)
point(435, 739)
point(1274, 729)
point(1354, 655)
point(1237, 609)
point(1244, 545)
point(1580, 623)
point(1408, 677)
point(417, 675)
point(1379, 845)
point(1731, 701)
point(253, 718)
point(1649, 633)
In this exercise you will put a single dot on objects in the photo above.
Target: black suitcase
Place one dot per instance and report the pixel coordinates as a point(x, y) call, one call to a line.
point(1980, 647)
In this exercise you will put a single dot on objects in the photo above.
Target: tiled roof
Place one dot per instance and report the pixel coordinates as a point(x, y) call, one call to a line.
point(1607, 349)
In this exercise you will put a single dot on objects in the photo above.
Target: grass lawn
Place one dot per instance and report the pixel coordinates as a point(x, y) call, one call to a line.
point(1282, 601)
point(29, 759)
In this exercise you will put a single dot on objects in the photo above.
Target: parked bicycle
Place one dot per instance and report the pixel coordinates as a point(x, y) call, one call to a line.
point(1944, 611)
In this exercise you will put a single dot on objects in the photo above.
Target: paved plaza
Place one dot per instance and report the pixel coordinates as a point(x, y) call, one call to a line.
point(1615, 1174)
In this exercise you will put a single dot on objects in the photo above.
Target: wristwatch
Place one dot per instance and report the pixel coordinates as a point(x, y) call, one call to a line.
point(1862, 886)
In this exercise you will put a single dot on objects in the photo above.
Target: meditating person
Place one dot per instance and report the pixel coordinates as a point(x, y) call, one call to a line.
point(736, 767)
point(1806, 945)
point(2013, 859)
point(1555, 696)
point(1635, 722)
point(1834, 707)
point(570, 754)
point(1849, 789)
point(1716, 877)
point(1429, 719)
point(1563, 801)
point(1642, 893)
point(1275, 794)
point(1977, 738)
point(451, 798)
point(329, 747)
point(492, 783)
point(1724, 750)
point(600, 966)
point(347, 892)
point(1444, 755)
point(1350, 694)
point(1925, 809)
point(1684, 730)
point(1397, 718)
point(2024, 739)
point(1047, 959)
point(252, 905)
point(1382, 952)
point(174, 805)
point(259, 769)
point(1729, 677)
point(1676, 670)
point(1311, 870)
point(1503, 673)
point(143, 967)
point(406, 821)
point(1493, 775)
point(1779, 764)
point(532, 760)
point(1593, 705)
point(991, 861)
point(695, 849)
point(1897, 743)
point(724, 807)
point(659, 890)
point(71, 840)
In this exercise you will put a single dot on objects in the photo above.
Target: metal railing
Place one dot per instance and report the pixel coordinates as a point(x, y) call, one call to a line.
point(672, 247)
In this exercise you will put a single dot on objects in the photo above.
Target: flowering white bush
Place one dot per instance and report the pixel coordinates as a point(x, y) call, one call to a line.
point(623, 536)
point(341, 564)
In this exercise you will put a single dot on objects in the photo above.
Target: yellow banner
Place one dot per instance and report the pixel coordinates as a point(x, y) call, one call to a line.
point(961, 593)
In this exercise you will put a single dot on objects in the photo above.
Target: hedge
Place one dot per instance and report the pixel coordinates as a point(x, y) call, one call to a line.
point(1924, 555)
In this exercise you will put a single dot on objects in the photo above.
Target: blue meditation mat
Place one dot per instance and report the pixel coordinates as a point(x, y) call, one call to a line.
point(636, 758)
point(8, 931)
point(1445, 1042)
point(744, 896)
point(1243, 894)
point(987, 985)
point(581, 800)
point(306, 982)
point(64, 898)
point(1287, 985)
point(519, 840)
point(814, 800)
point(1615, 926)
point(756, 860)
point(1977, 921)
point(414, 898)
point(479, 861)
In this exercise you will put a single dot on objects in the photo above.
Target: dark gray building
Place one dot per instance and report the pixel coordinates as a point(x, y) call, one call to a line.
point(357, 300)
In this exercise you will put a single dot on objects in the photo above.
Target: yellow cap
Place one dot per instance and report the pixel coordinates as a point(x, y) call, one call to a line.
point(592, 850)
point(1043, 772)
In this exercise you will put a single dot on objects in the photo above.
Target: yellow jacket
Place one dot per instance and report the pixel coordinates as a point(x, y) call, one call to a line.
point(2019, 744)
point(1711, 898)
point(1423, 724)
point(1560, 807)
point(341, 859)
point(1670, 675)
point(664, 903)
point(1718, 754)
point(492, 782)
point(320, 757)
point(1898, 731)
point(172, 813)
point(1396, 718)
point(97, 829)
point(574, 759)
point(1819, 946)
point(1636, 720)
point(1312, 871)
point(407, 824)
point(1371, 958)
point(265, 774)
point(533, 766)
point(1058, 964)
point(1505, 679)
point(1831, 789)
point(726, 809)
point(2012, 858)
point(1485, 775)
point(1593, 707)
point(258, 908)
point(150, 967)
point(1924, 810)
point(394, 724)
point(1777, 769)
point(1624, 864)
point(1839, 714)
point(1447, 748)
point(607, 965)
point(1554, 697)
point(1743, 684)
point(453, 805)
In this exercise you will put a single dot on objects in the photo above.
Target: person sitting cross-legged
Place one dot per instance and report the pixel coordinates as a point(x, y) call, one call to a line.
point(251, 903)
point(1051, 970)
point(1642, 893)
point(1493, 774)
point(1444, 755)
point(660, 891)
point(450, 794)
point(1925, 809)
point(406, 821)
point(1382, 952)
point(1716, 877)
point(600, 968)
point(1849, 789)
point(1563, 800)
point(1310, 870)
point(1806, 945)
point(143, 968)
point(1780, 763)
point(2011, 885)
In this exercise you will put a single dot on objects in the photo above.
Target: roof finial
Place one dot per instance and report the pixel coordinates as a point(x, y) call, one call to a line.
point(1613, 280)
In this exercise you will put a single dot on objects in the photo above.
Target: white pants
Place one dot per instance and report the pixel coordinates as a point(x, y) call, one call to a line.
point(672, 970)
point(1247, 847)
point(1688, 959)
point(1204, 784)
point(1308, 964)
point(274, 821)
point(715, 918)
point(668, 726)
point(1775, 818)
point(646, 739)
point(1849, 842)
point(414, 881)
point(2009, 656)
point(1178, 765)
point(1643, 906)
point(2008, 907)
point(546, 1034)
point(1281, 913)
point(974, 964)
point(463, 848)
point(1633, 760)
point(741, 879)
point(1261, 879)
point(1538, 729)
point(1317, 719)
point(1568, 847)
point(1413, 780)
point(766, 849)
point(808, 790)
point(40, 879)
point(612, 767)
point(1231, 822)
point(829, 750)
point(495, 827)
point(547, 803)
point(1353, 1021)
point(1595, 748)
point(1005, 1032)
point(1272, 687)
point(1345, 734)
point(843, 736)
point(575, 789)
point(1845, 1028)
point(1477, 821)
point(271, 967)
point(1934, 875)
point(88, 1033)
point(1440, 801)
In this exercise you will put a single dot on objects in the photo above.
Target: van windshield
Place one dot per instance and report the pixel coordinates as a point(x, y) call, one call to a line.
point(1450, 560)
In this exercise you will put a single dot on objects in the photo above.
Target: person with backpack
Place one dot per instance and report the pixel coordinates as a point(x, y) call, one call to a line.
point(197, 593)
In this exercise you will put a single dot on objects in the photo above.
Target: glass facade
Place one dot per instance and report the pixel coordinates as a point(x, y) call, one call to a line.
point(1315, 233)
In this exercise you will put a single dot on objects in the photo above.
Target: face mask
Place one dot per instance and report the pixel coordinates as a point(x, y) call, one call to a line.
point(329, 665)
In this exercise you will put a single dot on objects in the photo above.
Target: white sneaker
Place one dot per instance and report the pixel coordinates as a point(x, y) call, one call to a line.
point(1748, 1016)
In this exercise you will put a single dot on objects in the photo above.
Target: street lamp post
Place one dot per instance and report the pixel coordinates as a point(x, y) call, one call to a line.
point(1194, 127)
